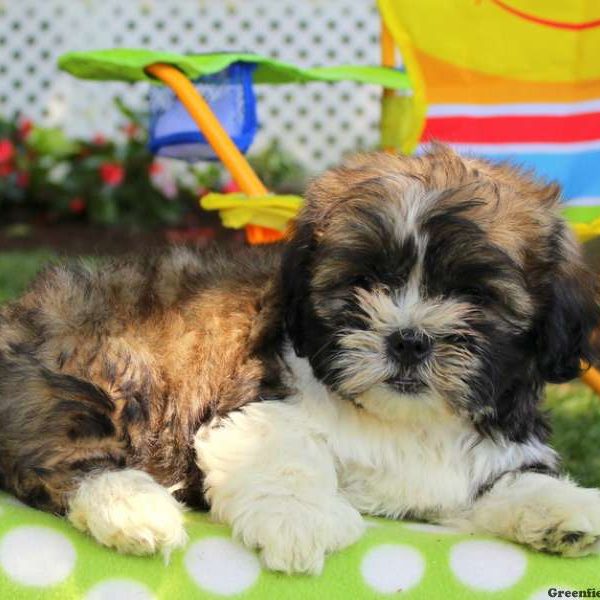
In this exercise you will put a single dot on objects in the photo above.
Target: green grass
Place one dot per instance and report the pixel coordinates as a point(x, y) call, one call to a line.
point(575, 410)
point(18, 268)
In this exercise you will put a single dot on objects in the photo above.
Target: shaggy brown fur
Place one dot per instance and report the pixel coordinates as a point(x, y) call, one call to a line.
point(118, 364)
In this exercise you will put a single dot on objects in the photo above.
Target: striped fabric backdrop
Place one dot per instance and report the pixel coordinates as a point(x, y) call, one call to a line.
point(515, 80)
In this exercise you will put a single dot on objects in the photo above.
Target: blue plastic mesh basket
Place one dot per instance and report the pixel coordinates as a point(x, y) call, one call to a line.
point(229, 93)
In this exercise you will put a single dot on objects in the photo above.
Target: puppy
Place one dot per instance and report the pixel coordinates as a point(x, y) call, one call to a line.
point(388, 360)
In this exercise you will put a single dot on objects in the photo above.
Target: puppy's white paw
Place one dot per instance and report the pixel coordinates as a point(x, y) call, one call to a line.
point(294, 536)
point(127, 510)
point(567, 525)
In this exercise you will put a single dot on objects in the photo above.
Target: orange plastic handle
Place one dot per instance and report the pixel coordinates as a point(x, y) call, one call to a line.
point(591, 377)
point(224, 147)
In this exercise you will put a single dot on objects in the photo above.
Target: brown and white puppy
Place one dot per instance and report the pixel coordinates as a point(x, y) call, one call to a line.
point(389, 360)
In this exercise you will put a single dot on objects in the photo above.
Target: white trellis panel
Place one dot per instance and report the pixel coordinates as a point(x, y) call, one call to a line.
point(317, 122)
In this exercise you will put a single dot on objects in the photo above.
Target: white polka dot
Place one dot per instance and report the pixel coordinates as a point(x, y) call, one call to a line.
point(222, 566)
point(392, 568)
point(487, 565)
point(36, 555)
point(119, 589)
point(429, 528)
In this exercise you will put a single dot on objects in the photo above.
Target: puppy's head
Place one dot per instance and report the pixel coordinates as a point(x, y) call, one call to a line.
point(412, 281)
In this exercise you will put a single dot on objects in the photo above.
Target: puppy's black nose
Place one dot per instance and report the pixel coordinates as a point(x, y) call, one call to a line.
point(408, 346)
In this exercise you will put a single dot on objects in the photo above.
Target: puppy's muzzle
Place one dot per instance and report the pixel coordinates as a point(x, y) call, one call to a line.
point(409, 347)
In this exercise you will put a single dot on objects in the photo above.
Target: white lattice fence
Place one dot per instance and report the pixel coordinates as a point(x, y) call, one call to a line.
point(317, 122)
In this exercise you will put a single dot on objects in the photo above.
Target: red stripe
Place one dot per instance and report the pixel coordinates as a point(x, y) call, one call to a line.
point(573, 128)
point(548, 22)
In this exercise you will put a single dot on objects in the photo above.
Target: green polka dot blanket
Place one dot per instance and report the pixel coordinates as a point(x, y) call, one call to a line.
point(43, 557)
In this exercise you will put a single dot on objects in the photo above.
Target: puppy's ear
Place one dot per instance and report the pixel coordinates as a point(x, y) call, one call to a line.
point(296, 271)
point(571, 313)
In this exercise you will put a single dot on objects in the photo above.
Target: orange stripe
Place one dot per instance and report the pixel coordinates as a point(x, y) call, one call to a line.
point(447, 83)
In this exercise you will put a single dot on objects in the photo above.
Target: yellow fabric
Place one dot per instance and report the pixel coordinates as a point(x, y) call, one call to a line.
point(587, 231)
point(418, 110)
point(397, 120)
point(559, 38)
point(238, 210)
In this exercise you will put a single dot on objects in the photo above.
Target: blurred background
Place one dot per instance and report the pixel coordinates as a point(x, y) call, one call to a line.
point(76, 177)
point(80, 146)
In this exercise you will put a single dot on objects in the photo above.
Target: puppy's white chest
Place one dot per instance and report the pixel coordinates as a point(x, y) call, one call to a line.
point(419, 463)
point(407, 469)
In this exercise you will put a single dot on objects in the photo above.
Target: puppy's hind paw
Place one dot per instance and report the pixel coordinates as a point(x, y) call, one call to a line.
point(127, 510)
point(575, 537)
point(570, 528)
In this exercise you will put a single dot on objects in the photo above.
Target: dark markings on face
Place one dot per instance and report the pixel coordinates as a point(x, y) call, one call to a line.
point(460, 262)
point(371, 255)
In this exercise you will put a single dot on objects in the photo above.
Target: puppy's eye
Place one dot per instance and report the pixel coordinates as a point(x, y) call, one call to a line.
point(361, 281)
point(477, 295)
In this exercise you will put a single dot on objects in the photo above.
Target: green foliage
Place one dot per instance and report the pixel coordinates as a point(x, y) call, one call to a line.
point(575, 412)
point(278, 169)
point(44, 175)
point(18, 268)
point(51, 142)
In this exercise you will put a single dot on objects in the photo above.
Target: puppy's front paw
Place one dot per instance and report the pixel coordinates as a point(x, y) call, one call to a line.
point(569, 526)
point(127, 510)
point(294, 537)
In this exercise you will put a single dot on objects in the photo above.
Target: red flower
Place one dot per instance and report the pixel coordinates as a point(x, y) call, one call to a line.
point(130, 129)
point(231, 187)
point(25, 128)
point(77, 205)
point(6, 169)
point(22, 179)
point(7, 150)
point(155, 168)
point(99, 140)
point(112, 173)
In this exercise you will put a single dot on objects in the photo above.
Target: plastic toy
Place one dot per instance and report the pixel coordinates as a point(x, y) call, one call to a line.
point(229, 93)
point(176, 70)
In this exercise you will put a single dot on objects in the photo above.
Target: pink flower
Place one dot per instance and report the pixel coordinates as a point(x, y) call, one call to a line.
point(76, 205)
point(231, 187)
point(7, 150)
point(99, 140)
point(112, 174)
